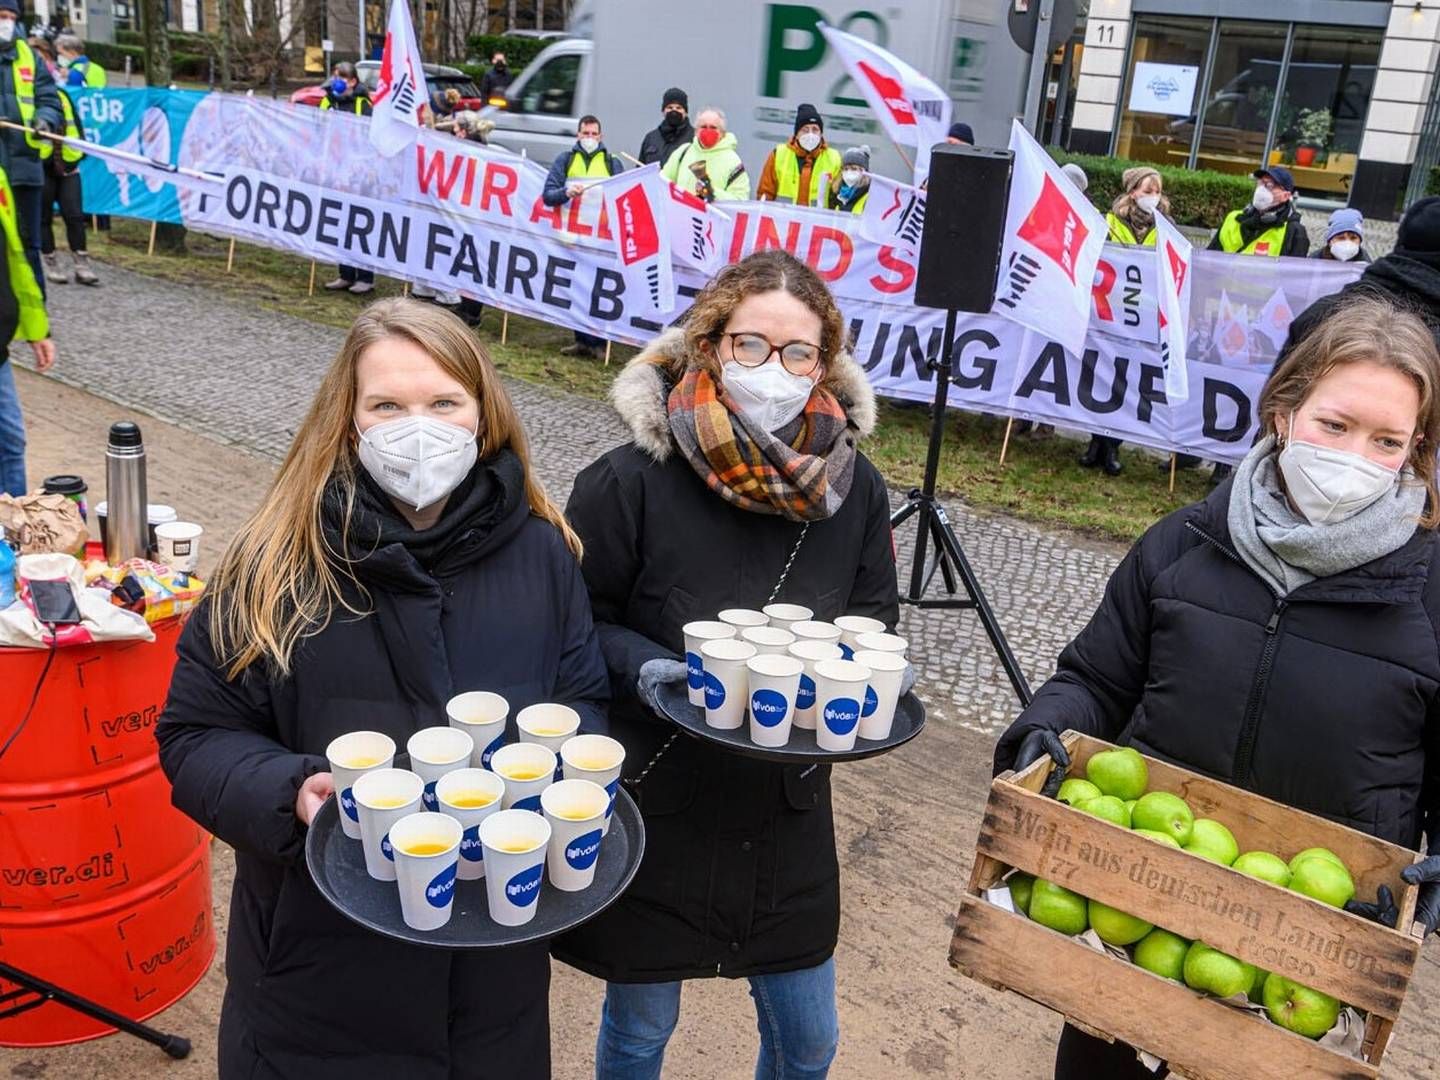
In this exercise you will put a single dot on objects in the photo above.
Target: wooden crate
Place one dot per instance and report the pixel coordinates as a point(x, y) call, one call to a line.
point(1358, 961)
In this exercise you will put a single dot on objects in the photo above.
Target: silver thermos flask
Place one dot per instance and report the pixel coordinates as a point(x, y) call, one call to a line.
point(127, 523)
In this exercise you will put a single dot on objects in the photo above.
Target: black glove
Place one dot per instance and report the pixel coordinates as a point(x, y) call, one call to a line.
point(1036, 745)
point(1426, 874)
point(43, 126)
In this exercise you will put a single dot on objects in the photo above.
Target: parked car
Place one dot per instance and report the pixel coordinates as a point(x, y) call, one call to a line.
point(438, 76)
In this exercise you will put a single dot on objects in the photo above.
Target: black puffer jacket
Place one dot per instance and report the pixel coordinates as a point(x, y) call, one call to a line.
point(660, 142)
point(1252, 222)
point(740, 875)
point(1325, 700)
point(489, 598)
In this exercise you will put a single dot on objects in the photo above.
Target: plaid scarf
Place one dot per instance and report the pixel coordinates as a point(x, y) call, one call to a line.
point(801, 472)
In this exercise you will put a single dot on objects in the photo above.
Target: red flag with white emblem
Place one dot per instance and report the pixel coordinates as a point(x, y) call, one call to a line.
point(1173, 253)
point(636, 205)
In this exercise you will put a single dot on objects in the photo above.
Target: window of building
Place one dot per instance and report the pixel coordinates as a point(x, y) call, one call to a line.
point(1244, 80)
point(1161, 126)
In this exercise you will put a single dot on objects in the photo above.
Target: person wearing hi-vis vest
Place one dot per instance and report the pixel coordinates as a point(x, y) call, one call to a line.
point(709, 166)
point(851, 188)
point(28, 96)
point(80, 70)
point(586, 161)
point(800, 171)
point(63, 185)
point(344, 93)
point(1270, 225)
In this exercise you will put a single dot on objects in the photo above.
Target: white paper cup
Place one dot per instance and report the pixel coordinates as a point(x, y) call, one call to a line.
point(696, 634)
point(877, 711)
point(351, 756)
point(784, 615)
point(548, 725)
point(725, 682)
point(482, 715)
point(774, 683)
point(576, 812)
point(515, 843)
point(597, 758)
point(891, 643)
point(383, 797)
point(741, 618)
point(851, 627)
point(435, 751)
point(470, 796)
point(768, 640)
point(177, 545)
point(527, 769)
point(811, 630)
point(810, 652)
point(839, 697)
point(427, 854)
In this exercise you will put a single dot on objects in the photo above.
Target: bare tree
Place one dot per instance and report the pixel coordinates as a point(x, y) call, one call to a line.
point(168, 237)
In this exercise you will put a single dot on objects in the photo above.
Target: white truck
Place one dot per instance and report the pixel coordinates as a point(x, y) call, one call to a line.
point(757, 60)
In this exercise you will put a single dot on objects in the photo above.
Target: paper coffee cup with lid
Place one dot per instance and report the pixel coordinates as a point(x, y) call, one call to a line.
point(351, 756)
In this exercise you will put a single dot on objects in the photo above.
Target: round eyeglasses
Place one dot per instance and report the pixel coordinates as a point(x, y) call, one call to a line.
point(751, 350)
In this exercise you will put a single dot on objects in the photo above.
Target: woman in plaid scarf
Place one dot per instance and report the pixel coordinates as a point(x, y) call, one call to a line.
point(746, 424)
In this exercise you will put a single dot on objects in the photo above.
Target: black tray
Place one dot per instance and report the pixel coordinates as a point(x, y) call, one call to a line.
point(674, 699)
point(337, 863)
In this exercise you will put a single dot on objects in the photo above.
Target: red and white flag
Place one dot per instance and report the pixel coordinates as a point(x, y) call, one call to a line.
point(636, 204)
point(1053, 240)
point(1231, 334)
point(914, 111)
point(698, 231)
point(1275, 319)
point(400, 92)
point(894, 214)
point(1173, 253)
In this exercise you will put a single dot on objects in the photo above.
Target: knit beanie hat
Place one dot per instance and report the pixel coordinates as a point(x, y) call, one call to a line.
point(1132, 178)
point(1076, 174)
point(673, 96)
point(1346, 220)
point(1419, 233)
point(11, 5)
point(857, 156)
point(805, 114)
point(961, 130)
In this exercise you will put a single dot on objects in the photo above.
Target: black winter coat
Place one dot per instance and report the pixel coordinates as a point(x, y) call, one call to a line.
point(1325, 700)
point(1252, 223)
point(740, 875)
point(490, 598)
point(660, 143)
point(1407, 282)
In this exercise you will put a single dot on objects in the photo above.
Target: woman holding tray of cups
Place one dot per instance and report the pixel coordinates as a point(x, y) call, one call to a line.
point(1281, 635)
point(744, 464)
point(405, 552)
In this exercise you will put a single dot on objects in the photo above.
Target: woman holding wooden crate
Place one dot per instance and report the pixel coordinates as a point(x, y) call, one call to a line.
point(1283, 634)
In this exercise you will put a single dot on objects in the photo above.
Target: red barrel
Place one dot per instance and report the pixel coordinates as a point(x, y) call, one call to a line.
point(104, 886)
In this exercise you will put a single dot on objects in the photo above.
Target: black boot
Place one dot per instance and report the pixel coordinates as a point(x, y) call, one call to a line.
point(1221, 473)
point(1110, 457)
point(1091, 457)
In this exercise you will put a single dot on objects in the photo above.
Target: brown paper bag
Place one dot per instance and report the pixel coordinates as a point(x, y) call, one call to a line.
point(43, 524)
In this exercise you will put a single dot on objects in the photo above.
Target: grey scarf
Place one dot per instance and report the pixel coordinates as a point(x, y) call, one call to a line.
point(1286, 550)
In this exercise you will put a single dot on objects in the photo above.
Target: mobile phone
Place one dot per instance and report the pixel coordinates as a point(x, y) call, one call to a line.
point(54, 603)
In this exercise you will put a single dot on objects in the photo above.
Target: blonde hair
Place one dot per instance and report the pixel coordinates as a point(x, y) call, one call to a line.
point(1373, 330)
point(280, 581)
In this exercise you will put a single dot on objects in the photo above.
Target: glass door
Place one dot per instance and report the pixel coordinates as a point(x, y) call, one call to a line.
point(1244, 80)
point(1162, 87)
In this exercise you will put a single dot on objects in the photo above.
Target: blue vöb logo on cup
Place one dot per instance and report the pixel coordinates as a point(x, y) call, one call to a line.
point(522, 889)
point(694, 671)
point(347, 804)
point(805, 696)
point(768, 707)
point(846, 652)
point(611, 788)
point(871, 702)
point(531, 802)
point(490, 750)
point(714, 692)
point(841, 715)
point(471, 850)
point(386, 849)
point(582, 852)
point(441, 887)
point(431, 802)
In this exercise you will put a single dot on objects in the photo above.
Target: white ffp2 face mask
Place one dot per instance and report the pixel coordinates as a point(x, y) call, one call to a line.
point(1263, 199)
point(1148, 203)
point(850, 176)
point(7, 30)
point(809, 141)
point(1344, 250)
point(768, 395)
point(1328, 485)
point(589, 145)
point(417, 459)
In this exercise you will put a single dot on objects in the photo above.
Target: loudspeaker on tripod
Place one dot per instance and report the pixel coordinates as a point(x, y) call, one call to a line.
point(968, 191)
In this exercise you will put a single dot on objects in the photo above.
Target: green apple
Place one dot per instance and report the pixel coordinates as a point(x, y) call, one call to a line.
point(1057, 907)
point(1163, 953)
point(1316, 852)
point(1158, 837)
point(1216, 972)
point(1165, 813)
point(1130, 805)
point(1211, 840)
point(1326, 881)
point(1108, 807)
point(1257, 987)
point(1122, 773)
point(1304, 1011)
point(1020, 886)
point(1263, 865)
point(1115, 927)
point(1075, 791)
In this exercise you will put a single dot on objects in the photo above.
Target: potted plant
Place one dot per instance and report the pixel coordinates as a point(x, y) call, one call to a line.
point(1315, 126)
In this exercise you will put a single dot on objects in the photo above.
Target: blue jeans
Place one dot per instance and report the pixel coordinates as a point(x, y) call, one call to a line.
point(799, 1028)
point(12, 434)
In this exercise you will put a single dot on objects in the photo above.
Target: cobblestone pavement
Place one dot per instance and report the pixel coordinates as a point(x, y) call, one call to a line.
point(246, 378)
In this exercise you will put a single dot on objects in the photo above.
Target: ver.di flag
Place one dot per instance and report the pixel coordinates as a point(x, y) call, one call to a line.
point(1230, 338)
point(1275, 318)
point(894, 214)
point(1172, 252)
point(913, 110)
point(636, 202)
point(1053, 241)
point(400, 92)
point(698, 231)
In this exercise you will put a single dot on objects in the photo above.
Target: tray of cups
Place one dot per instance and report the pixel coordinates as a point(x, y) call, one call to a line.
point(778, 685)
point(454, 854)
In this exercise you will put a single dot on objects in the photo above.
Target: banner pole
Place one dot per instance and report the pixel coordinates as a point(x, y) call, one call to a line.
point(230, 258)
point(311, 291)
point(634, 160)
point(153, 226)
point(1005, 443)
point(504, 326)
point(405, 292)
point(607, 352)
point(1173, 460)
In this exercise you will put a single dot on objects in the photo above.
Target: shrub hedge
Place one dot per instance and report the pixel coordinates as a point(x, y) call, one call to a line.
point(183, 65)
point(519, 51)
point(1200, 197)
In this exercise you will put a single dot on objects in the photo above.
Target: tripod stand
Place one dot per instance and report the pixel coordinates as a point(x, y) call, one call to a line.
point(934, 525)
point(32, 992)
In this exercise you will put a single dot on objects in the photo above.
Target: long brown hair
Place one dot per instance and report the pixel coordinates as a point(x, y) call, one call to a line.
point(1367, 329)
point(279, 581)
